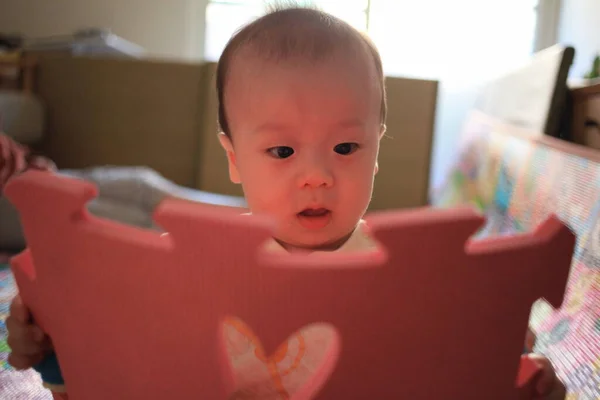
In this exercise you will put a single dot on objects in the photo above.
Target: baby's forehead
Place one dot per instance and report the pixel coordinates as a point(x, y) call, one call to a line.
point(342, 81)
point(350, 59)
point(255, 63)
point(339, 79)
point(297, 93)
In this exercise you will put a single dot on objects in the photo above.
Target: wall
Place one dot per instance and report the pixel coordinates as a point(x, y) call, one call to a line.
point(580, 27)
point(173, 28)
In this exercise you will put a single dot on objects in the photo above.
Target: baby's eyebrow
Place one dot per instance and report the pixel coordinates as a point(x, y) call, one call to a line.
point(276, 127)
point(272, 127)
point(351, 123)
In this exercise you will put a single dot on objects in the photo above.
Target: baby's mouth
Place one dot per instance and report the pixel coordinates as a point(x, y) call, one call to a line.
point(314, 212)
point(314, 218)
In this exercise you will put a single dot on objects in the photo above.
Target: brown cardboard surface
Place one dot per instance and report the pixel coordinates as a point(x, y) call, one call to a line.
point(405, 153)
point(122, 112)
point(164, 115)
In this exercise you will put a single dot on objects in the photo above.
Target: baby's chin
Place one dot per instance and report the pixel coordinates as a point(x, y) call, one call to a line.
point(314, 242)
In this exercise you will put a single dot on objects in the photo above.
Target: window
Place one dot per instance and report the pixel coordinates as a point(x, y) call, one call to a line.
point(459, 40)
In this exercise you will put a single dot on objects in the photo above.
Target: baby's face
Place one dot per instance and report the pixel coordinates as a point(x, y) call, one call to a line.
point(304, 146)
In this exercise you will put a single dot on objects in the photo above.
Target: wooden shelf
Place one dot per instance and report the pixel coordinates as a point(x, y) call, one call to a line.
point(586, 107)
point(25, 67)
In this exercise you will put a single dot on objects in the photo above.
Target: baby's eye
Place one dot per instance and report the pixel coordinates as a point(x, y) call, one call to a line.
point(281, 151)
point(345, 148)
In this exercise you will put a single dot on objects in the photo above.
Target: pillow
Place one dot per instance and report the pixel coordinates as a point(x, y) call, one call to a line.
point(21, 116)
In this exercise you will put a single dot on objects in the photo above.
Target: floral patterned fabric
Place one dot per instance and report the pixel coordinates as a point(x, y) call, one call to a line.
point(516, 183)
point(14, 385)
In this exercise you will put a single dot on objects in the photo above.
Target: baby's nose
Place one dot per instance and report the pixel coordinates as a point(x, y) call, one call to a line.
point(316, 174)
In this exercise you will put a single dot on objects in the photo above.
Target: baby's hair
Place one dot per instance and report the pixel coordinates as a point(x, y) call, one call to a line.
point(292, 32)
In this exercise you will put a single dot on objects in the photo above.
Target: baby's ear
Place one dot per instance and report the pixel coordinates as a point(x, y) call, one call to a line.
point(382, 131)
point(227, 145)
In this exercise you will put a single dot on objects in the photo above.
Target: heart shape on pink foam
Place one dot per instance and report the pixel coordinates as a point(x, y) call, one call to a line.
point(297, 370)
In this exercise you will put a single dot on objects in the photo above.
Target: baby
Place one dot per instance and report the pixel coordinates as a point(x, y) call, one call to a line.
point(302, 108)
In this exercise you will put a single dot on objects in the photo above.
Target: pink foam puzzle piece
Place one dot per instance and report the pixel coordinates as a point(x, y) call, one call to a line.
point(138, 314)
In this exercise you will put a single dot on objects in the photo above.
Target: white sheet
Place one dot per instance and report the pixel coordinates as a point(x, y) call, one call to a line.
point(130, 194)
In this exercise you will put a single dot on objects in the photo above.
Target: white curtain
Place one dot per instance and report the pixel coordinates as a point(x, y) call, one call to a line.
point(460, 43)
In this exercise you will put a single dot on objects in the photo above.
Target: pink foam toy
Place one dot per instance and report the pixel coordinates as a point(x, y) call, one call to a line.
point(134, 314)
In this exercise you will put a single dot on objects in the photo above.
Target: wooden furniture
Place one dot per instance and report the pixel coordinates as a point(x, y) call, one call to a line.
point(533, 96)
point(17, 72)
point(585, 122)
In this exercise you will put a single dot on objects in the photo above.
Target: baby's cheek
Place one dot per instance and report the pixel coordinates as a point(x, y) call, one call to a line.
point(265, 197)
point(259, 184)
point(358, 187)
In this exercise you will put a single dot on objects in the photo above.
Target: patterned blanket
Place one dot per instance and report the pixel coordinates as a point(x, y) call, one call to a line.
point(14, 385)
point(517, 183)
